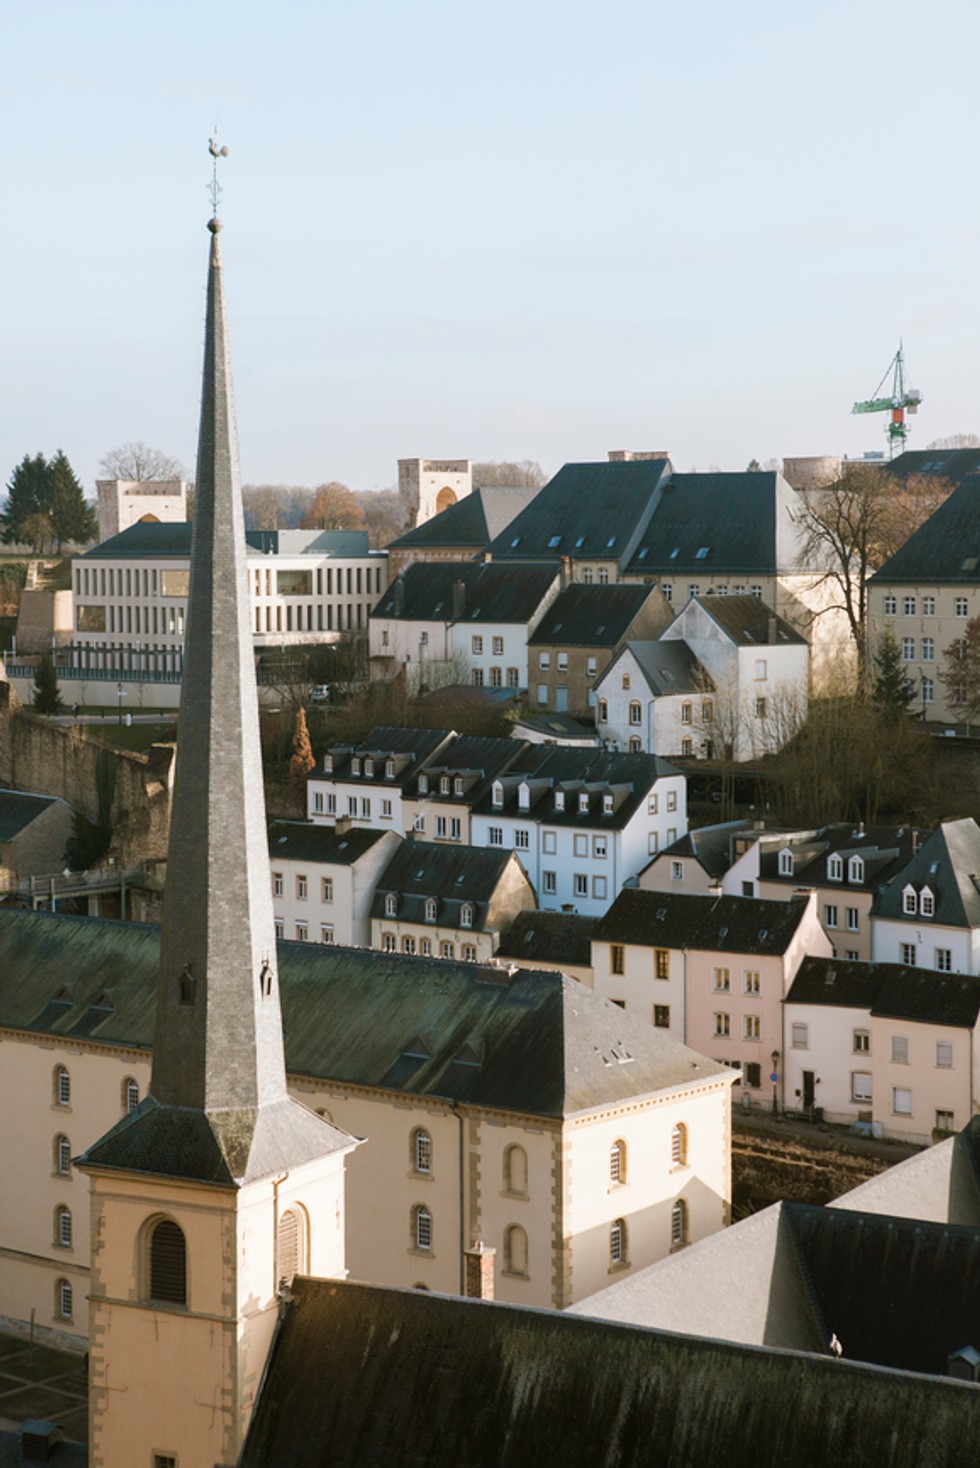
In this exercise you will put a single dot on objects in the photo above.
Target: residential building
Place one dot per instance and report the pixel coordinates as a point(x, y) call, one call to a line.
point(367, 785)
point(440, 794)
point(889, 1046)
point(579, 634)
point(460, 622)
point(324, 879)
point(700, 861)
point(558, 941)
point(925, 595)
point(461, 532)
point(447, 901)
point(656, 696)
point(928, 915)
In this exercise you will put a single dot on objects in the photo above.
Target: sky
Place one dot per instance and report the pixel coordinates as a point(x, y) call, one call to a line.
point(490, 231)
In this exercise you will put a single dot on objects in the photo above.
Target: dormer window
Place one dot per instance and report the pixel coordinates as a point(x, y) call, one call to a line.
point(787, 863)
point(389, 769)
point(369, 767)
point(466, 915)
point(423, 784)
point(559, 800)
point(909, 901)
point(355, 765)
point(391, 905)
point(855, 869)
point(835, 868)
point(431, 909)
point(583, 803)
point(458, 785)
point(444, 785)
point(524, 797)
point(927, 903)
point(607, 805)
point(498, 794)
point(328, 764)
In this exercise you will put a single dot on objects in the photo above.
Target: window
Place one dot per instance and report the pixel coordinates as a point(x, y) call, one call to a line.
point(722, 981)
point(549, 883)
point(477, 677)
point(447, 950)
point(944, 1121)
point(388, 942)
point(835, 868)
point(653, 843)
point(928, 650)
point(498, 647)
point(861, 1042)
point(64, 1299)
point(722, 1026)
point(326, 889)
point(687, 748)
point(602, 711)
point(908, 606)
point(760, 708)
point(787, 864)
point(678, 1145)
point(908, 954)
point(62, 1155)
point(752, 1027)
point(62, 1086)
point(590, 667)
point(431, 909)
point(495, 835)
point(751, 983)
point(752, 1074)
point(477, 645)
point(522, 840)
point(391, 904)
point(661, 1016)
point(599, 888)
point(636, 714)
point(860, 1086)
point(425, 947)
point(168, 1263)
point(580, 884)
point(853, 919)
point(671, 799)
point(801, 1037)
point(761, 668)
point(469, 953)
point(454, 828)
point(678, 1224)
point(617, 1242)
point(901, 1101)
point(651, 805)
point(466, 915)
point(617, 958)
point(944, 1054)
point(617, 1162)
point(302, 932)
point(544, 661)
point(685, 713)
point(961, 606)
point(562, 663)
point(908, 649)
point(927, 903)
point(890, 606)
point(928, 690)
point(626, 680)
point(326, 932)
point(408, 944)
point(515, 1171)
point(301, 886)
point(909, 901)
point(422, 1229)
point(289, 1246)
point(421, 1151)
point(944, 960)
point(277, 884)
point(583, 803)
point(900, 1050)
point(515, 1251)
point(661, 963)
point(830, 915)
point(280, 928)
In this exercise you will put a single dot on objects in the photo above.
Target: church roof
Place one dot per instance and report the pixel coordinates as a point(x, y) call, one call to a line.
point(419, 1378)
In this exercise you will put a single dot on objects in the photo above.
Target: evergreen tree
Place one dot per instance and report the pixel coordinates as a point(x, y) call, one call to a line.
point(894, 691)
point(302, 761)
point(72, 518)
point(47, 699)
point(28, 498)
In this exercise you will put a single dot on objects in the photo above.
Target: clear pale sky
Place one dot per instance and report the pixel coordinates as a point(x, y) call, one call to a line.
point(510, 230)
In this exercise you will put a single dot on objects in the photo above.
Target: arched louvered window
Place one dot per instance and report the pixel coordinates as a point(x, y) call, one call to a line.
point(617, 1242)
point(515, 1171)
point(62, 1155)
point(62, 1086)
point(168, 1263)
point(678, 1145)
point(64, 1299)
point(617, 1162)
point(62, 1224)
point(290, 1243)
point(422, 1228)
point(678, 1224)
point(421, 1150)
point(130, 1094)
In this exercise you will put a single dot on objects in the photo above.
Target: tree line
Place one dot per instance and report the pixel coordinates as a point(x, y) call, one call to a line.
point(46, 505)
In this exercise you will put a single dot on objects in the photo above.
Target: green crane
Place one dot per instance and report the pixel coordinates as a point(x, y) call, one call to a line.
point(901, 400)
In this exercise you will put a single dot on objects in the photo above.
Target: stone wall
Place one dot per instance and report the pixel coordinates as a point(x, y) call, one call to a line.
point(129, 792)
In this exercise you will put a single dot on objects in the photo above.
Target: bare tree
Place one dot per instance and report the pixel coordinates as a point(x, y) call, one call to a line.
point(512, 474)
point(961, 671)
point(138, 461)
point(334, 507)
point(956, 441)
point(913, 499)
point(262, 504)
point(382, 515)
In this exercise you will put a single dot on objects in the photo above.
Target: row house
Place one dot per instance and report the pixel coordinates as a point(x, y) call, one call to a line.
point(929, 913)
point(366, 784)
point(713, 971)
point(700, 861)
point(460, 622)
point(889, 1047)
point(324, 879)
point(580, 634)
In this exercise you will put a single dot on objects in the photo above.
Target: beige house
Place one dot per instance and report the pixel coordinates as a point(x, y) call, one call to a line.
point(578, 636)
point(324, 879)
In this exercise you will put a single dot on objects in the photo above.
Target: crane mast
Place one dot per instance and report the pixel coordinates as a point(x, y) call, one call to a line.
point(901, 401)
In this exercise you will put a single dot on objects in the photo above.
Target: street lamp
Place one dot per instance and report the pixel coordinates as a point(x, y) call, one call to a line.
point(120, 690)
point(774, 1077)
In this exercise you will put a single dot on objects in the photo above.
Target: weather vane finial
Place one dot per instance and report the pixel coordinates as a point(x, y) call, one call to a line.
point(214, 188)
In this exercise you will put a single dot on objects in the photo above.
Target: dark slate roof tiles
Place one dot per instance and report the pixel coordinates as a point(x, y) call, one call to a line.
point(17, 811)
point(587, 511)
point(549, 937)
point(686, 920)
point(302, 841)
point(474, 520)
point(592, 616)
point(490, 592)
point(946, 548)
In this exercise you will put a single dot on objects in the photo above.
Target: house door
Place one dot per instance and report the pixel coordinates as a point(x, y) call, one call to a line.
point(561, 699)
point(808, 1090)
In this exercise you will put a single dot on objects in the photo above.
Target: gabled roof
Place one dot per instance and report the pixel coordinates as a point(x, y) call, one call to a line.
point(715, 924)
point(411, 748)
point(749, 622)
point(418, 1378)
point(587, 511)
point(303, 841)
point(883, 849)
point(668, 666)
point(941, 1183)
point(491, 593)
point(537, 1043)
point(556, 729)
point(474, 758)
point(946, 548)
point(474, 520)
point(889, 991)
point(450, 875)
point(710, 846)
point(949, 865)
point(158, 539)
point(593, 616)
point(593, 773)
point(549, 937)
point(18, 811)
point(950, 464)
point(717, 524)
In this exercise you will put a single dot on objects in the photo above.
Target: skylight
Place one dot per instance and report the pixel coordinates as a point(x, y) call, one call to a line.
point(675, 553)
point(555, 540)
point(702, 552)
point(580, 542)
point(515, 541)
point(610, 542)
point(643, 553)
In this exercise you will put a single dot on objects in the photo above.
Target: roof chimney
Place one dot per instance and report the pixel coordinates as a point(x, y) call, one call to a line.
point(479, 1271)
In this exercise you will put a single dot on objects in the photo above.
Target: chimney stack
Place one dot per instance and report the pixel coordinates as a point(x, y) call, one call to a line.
point(479, 1271)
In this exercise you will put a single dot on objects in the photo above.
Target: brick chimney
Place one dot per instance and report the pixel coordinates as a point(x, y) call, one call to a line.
point(479, 1271)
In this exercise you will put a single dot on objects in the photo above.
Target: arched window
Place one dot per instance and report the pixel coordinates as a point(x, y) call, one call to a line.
point(515, 1250)
point(62, 1086)
point(62, 1155)
point(617, 1162)
point(62, 1226)
point(168, 1263)
point(678, 1224)
point(678, 1145)
point(391, 905)
point(422, 1228)
point(291, 1241)
point(515, 1171)
point(431, 909)
point(64, 1299)
point(130, 1094)
point(617, 1241)
point(421, 1150)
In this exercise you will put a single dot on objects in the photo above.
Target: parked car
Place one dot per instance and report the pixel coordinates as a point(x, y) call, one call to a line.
point(320, 694)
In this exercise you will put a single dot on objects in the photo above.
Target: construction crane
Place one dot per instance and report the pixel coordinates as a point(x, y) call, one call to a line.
point(902, 400)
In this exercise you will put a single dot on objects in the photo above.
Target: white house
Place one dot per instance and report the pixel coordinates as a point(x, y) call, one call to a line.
point(324, 879)
point(928, 915)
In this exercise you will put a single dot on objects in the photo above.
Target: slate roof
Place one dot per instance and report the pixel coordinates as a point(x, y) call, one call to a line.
point(712, 847)
point(951, 464)
point(941, 1183)
point(883, 849)
point(302, 841)
point(948, 863)
point(587, 511)
point(889, 990)
point(946, 548)
point(474, 520)
point(668, 666)
point(451, 874)
point(549, 937)
point(537, 1043)
point(159, 539)
point(747, 620)
point(555, 728)
point(732, 518)
point(473, 758)
point(493, 593)
point(592, 616)
point(18, 810)
point(410, 748)
point(592, 772)
point(689, 920)
point(417, 1378)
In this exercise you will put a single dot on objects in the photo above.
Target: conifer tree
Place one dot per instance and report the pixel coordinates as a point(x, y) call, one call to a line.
point(28, 498)
point(302, 761)
point(894, 691)
point(72, 518)
point(47, 699)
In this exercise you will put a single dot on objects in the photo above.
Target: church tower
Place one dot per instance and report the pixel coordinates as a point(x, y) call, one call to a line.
point(218, 1187)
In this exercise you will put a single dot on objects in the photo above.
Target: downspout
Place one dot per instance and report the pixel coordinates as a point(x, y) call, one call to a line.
point(462, 1199)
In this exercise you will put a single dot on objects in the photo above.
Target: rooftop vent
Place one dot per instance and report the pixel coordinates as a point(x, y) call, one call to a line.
point(38, 1440)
